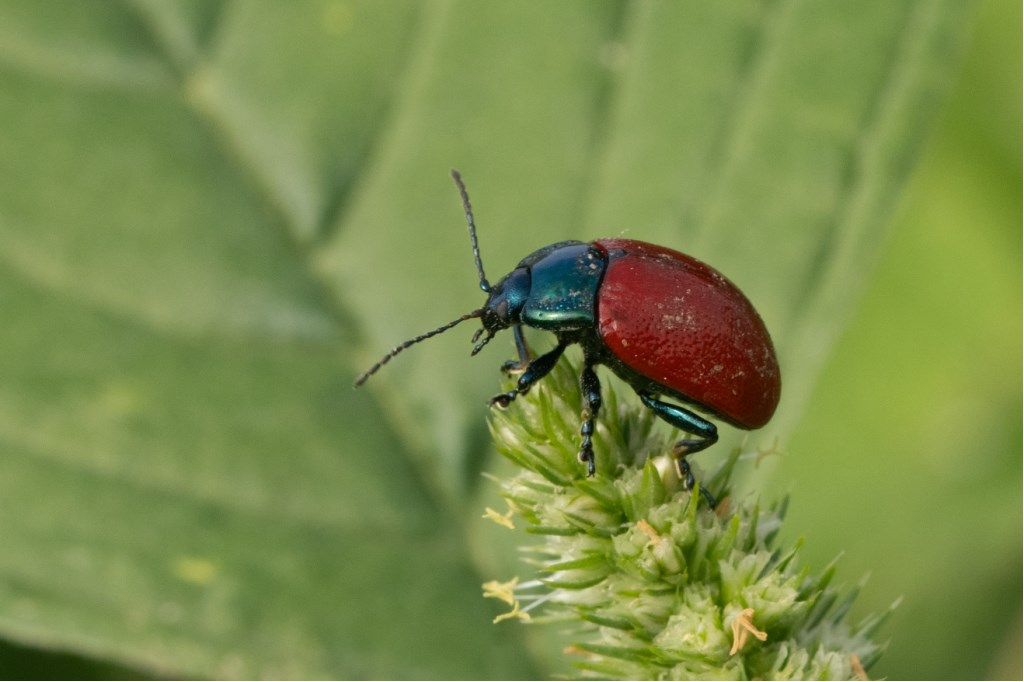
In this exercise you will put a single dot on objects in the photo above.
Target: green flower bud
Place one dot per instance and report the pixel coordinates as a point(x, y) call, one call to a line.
point(655, 584)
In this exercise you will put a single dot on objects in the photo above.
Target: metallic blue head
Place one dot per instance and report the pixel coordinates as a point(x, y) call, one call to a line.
point(506, 299)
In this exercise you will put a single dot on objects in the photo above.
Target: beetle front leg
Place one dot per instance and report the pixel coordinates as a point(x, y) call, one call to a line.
point(590, 387)
point(510, 367)
point(683, 419)
point(534, 372)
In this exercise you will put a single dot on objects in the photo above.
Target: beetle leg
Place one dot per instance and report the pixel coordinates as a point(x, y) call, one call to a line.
point(534, 372)
point(683, 419)
point(686, 473)
point(511, 367)
point(590, 387)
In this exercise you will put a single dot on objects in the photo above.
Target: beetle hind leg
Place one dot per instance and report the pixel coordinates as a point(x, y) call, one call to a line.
point(685, 420)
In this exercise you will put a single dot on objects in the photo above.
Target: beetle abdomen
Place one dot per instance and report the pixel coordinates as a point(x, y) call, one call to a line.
point(683, 325)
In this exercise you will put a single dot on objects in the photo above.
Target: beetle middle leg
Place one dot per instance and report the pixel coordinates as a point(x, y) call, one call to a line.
point(590, 387)
point(534, 372)
point(511, 367)
point(684, 419)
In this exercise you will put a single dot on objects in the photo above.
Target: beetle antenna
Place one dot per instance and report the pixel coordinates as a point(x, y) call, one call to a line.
point(468, 208)
point(361, 379)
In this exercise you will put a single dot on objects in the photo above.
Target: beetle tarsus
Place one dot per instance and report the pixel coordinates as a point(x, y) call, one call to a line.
point(686, 474)
point(587, 456)
point(503, 400)
point(590, 387)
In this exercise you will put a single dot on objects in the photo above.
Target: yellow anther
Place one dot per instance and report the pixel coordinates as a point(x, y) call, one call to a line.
point(764, 453)
point(858, 669)
point(514, 613)
point(742, 628)
point(502, 591)
point(506, 593)
point(500, 519)
point(648, 530)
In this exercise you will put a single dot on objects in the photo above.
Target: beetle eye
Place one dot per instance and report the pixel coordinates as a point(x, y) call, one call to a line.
point(502, 310)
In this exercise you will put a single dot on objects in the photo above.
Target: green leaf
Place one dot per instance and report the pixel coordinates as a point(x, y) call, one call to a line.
point(215, 213)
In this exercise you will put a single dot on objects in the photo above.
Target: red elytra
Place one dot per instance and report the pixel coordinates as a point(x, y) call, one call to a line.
point(679, 322)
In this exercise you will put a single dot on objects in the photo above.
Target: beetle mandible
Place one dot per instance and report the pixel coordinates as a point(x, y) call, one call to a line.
point(664, 322)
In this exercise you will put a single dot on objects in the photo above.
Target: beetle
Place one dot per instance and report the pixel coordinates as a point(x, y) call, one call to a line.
point(664, 322)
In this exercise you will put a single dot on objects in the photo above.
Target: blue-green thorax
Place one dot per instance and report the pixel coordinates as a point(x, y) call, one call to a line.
point(554, 288)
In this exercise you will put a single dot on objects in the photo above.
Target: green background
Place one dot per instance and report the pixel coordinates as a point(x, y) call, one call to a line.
point(213, 214)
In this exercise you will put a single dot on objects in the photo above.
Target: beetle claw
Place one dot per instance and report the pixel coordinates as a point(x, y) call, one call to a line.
point(513, 367)
point(686, 475)
point(503, 400)
point(587, 457)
